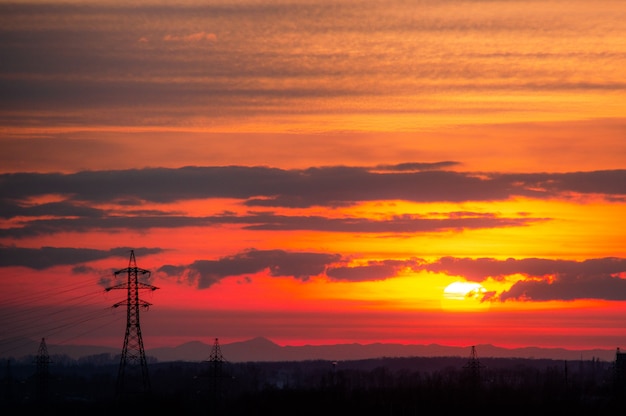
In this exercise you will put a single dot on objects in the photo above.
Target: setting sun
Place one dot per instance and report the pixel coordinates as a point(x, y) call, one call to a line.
point(464, 296)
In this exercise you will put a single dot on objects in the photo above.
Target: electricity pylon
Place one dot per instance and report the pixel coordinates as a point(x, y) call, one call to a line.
point(42, 373)
point(132, 376)
point(216, 361)
point(472, 368)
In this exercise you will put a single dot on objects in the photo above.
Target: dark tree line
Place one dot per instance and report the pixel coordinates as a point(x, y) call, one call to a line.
point(385, 386)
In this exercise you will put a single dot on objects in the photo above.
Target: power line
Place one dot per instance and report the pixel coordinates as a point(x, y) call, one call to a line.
point(63, 310)
point(17, 316)
point(31, 296)
point(32, 321)
point(23, 340)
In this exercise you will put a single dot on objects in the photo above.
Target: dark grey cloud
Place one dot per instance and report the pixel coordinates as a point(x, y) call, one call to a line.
point(480, 269)
point(397, 224)
point(604, 182)
point(79, 195)
point(111, 223)
point(279, 263)
point(414, 166)
point(269, 221)
point(54, 209)
point(154, 185)
point(320, 186)
point(545, 279)
point(569, 287)
point(339, 186)
point(46, 257)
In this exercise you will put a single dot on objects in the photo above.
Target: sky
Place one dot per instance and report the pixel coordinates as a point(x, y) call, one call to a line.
point(315, 172)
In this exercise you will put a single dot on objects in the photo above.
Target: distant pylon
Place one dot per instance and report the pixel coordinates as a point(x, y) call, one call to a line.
point(216, 361)
point(620, 371)
point(473, 367)
point(216, 356)
point(132, 376)
point(42, 374)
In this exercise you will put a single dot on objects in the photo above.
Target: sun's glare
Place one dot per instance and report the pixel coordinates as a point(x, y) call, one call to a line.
point(464, 296)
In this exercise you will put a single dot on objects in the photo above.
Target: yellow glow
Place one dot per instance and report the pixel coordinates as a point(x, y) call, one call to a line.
point(566, 229)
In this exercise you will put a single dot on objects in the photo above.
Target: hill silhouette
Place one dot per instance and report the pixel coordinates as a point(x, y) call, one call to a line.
point(263, 349)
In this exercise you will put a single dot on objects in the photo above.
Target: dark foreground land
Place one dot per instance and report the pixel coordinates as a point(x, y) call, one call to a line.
point(386, 386)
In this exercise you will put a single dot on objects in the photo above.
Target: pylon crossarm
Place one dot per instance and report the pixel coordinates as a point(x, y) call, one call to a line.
point(125, 286)
point(141, 303)
point(132, 270)
point(120, 286)
point(145, 286)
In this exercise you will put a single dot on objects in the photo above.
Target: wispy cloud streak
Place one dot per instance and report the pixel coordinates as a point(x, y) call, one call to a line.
point(254, 60)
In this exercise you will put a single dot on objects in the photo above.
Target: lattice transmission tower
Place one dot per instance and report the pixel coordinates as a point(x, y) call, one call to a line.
point(42, 373)
point(216, 375)
point(132, 376)
point(216, 361)
point(473, 368)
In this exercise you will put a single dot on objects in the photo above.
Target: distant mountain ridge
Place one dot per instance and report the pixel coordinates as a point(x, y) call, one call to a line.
point(263, 349)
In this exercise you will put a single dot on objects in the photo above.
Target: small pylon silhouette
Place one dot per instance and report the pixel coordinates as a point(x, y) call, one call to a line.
point(619, 368)
point(42, 373)
point(473, 367)
point(216, 361)
point(132, 376)
point(216, 356)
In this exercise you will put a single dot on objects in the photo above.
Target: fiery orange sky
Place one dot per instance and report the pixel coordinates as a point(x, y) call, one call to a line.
point(446, 172)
